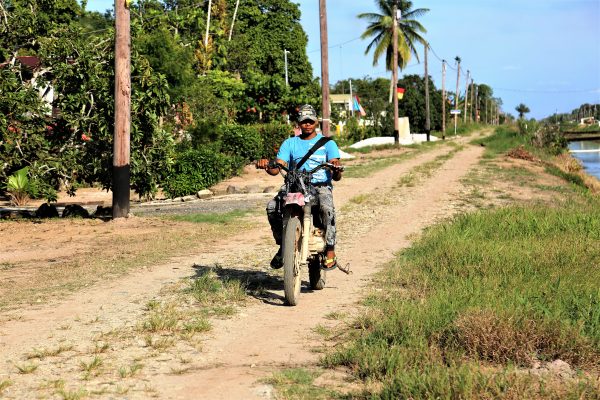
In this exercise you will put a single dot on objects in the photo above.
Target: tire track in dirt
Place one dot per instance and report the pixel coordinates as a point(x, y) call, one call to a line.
point(263, 338)
point(237, 346)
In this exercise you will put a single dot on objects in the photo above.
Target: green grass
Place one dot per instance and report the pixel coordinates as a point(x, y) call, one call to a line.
point(297, 384)
point(502, 289)
point(212, 218)
point(503, 140)
point(370, 149)
point(4, 384)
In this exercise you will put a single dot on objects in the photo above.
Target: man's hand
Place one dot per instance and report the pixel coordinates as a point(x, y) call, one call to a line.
point(336, 174)
point(266, 165)
point(262, 164)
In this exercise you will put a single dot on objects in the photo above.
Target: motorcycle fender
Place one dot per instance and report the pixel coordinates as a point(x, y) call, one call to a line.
point(294, 198)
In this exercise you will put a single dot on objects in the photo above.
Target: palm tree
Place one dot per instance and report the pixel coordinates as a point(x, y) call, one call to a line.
point(380, 28)
point(522, 109)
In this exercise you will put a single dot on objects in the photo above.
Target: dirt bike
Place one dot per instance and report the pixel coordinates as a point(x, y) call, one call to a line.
point(303, 242)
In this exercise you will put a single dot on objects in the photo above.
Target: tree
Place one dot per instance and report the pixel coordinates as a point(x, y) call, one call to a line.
point(522, 109)
point(380, 29)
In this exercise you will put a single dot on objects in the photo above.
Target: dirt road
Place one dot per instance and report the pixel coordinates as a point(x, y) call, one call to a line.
point(91, 343)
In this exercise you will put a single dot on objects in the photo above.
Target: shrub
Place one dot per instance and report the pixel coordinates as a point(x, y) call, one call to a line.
point(551, 138)
point(273, 135)
point(241, 140)
point(197, 169)
point(18, 187)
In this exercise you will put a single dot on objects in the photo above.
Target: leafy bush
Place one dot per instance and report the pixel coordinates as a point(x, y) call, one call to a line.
point(273, 135)
point(551, 138)
point(197, 169)
point(18, 187)
point(241, 140)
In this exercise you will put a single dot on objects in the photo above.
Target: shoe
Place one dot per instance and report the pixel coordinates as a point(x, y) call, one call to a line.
point(332, 264)
point(277, 261)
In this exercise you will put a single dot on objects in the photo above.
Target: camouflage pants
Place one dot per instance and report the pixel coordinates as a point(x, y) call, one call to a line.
point(326, 208)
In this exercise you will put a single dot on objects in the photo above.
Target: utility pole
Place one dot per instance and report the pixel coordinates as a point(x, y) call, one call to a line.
point(324, 67)
point(471, 114)
point(237, 4)
point(456, 94)
point(285, 53)
point(476, 104)
point(486, 111)
point(443, 99)
point(395, 72)
point(351, 99)
point(207, 24)
point(466, 95)
point(121, 144)
point(427, 111)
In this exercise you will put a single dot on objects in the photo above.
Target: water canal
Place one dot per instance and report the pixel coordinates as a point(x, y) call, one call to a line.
point(590, 159)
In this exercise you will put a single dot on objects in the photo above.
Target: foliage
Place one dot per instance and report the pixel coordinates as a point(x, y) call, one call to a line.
point(273, 135)
point(380, 28)
point(522, 109)
point(551, 138)
point(197, 169)
point(485, 288)
point(413, 103)
point(18, 187)
point(243, 141)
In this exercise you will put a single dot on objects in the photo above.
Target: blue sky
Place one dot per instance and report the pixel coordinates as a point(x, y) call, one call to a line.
point(544, 53)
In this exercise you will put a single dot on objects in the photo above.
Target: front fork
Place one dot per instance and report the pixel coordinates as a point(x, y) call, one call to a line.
point(306, 229)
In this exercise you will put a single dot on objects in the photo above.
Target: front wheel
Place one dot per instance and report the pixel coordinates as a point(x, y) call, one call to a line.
point(292, 277)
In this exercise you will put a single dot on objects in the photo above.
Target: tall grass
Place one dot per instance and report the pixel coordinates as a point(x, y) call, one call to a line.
point(481, 297)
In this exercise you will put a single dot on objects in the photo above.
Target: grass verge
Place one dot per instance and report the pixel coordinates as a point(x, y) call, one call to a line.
point(486, 305)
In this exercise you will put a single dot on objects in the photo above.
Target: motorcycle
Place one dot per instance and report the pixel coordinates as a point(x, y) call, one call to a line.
point(304, 244)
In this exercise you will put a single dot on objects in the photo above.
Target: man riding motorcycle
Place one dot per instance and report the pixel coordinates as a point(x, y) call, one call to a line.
point(291, 151)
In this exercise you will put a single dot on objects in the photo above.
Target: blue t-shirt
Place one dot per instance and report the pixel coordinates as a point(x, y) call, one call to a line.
point(295, 148)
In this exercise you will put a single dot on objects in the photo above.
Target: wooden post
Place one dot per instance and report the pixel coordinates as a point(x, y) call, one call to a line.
point(324, 68)
point(121, 145)
point(427, 111)
point(395, 72)
point(443, 99)
point(472, 104)
point(466, 95)
point(456, 94)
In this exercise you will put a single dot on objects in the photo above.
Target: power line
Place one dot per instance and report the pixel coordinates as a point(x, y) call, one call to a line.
point(335, 45)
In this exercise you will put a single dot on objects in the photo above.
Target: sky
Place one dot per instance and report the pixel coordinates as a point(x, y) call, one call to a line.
point(543, 53)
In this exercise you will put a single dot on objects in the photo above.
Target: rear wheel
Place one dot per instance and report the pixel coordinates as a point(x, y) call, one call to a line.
point(316, 275)
point(292, 278)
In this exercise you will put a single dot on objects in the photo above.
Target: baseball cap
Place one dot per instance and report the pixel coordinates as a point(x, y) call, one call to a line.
point(307, 112)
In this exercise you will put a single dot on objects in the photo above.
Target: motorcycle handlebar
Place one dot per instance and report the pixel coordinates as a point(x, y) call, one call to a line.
point(275, 164)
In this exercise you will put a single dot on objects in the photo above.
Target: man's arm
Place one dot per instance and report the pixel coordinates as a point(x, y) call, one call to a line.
point(264, 164)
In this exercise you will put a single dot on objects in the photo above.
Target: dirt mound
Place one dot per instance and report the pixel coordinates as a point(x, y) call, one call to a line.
point(522, 154)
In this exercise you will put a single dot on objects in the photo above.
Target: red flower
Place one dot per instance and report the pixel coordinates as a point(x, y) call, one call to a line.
point(85, 137)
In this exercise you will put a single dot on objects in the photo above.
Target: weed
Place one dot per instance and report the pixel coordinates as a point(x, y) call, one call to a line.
point(322, 330)
point(92, 366)
point(72, 394)
point(161, 343)
point(4, 384)
point(43, 353)
point(180, 370)
point(297, 383)
point(163, 318)
point(207, 288)
point(359, 199)
point(196, 325)
point(336, 315)
point(26, 368)
point(212, 218)
point(100, 347)
point(125, 372)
